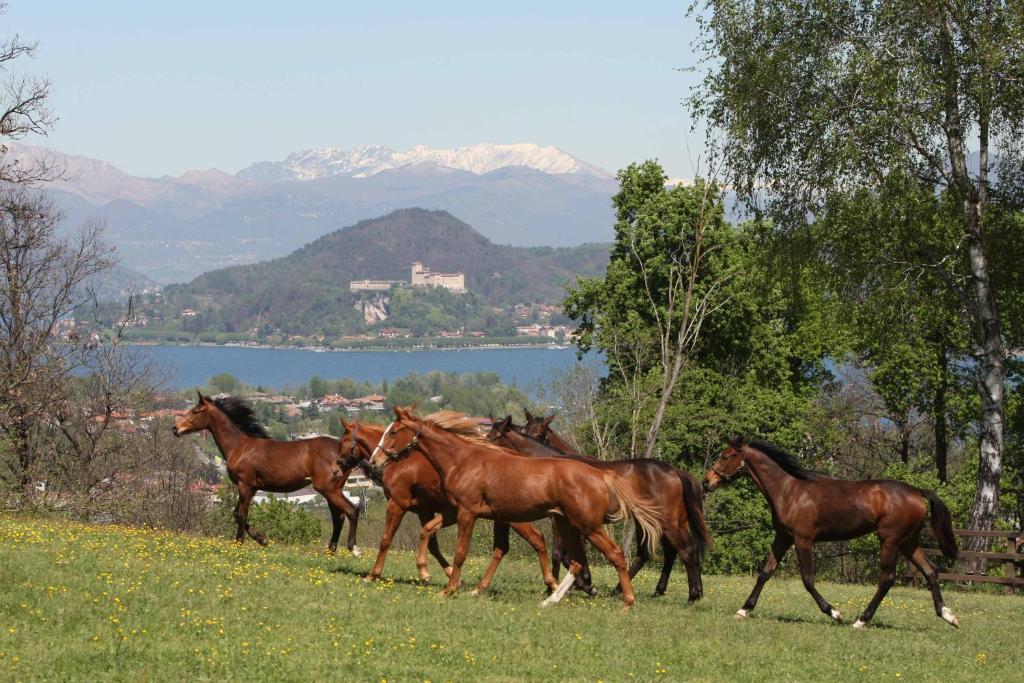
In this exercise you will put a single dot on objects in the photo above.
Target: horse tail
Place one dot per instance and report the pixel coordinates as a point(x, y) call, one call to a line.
point(942, 524)
point(641, 508)
point(693, 499)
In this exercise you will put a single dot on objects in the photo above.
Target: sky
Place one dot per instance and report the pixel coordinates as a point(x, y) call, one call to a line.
point(161, 88)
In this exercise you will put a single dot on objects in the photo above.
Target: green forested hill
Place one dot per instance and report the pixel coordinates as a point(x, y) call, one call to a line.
point(307, 292)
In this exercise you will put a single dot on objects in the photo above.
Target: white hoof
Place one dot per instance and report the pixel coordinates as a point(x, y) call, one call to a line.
point(836, 615)
point(742, 613)
point(356, 552)
point(859, 624)
point(948, 615)
point(475, 592)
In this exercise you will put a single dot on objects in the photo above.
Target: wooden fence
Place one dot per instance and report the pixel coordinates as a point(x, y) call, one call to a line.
point(1008, 559)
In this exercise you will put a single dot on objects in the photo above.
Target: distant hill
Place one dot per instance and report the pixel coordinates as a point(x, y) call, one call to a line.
point(174, 228)
point(307, 291)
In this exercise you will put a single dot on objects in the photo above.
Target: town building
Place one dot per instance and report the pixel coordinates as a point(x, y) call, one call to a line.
point(372, 285)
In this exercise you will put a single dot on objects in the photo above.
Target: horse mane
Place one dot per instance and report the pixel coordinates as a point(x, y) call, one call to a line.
point(787, 462)
point(462, 426)
point(241, 413)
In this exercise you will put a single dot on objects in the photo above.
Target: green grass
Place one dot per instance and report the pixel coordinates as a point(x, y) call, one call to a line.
point(108, 602)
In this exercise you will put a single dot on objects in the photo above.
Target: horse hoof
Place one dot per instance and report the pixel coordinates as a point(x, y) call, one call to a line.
point(369, 578)
point(356, 552)
point(859, 624)
point(836, 615)
point(425, 578)
point(475, 592)
point(658, 594)
point(950, 618)
point(742, 613)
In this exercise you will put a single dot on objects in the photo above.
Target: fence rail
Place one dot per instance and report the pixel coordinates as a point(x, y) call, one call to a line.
point(1014, 541)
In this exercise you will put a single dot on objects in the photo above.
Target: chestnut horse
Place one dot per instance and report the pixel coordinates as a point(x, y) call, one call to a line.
point(485, 480)
point(255, 462)
point(677, 493)
point(810, 506)
point(411, 484)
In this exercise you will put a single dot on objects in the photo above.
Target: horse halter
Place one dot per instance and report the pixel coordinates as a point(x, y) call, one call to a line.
point(726, 478)
point(353, 458)
point(404, 450)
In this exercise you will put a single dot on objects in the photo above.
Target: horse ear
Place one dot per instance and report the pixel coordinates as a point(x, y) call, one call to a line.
point(200, 395)
point(547, 420)
point(736, 442)
point(505, 424)
point(529, 416)
point(347, 426)
point(398, 411)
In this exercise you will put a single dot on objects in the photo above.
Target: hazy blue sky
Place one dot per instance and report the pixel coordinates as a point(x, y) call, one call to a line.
point(163, 87)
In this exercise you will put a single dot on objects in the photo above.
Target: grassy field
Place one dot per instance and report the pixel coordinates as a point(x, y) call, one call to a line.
point(109, 602)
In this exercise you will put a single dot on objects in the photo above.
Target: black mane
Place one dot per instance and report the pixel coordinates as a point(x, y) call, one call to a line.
point(786, 461)
point(241, 413)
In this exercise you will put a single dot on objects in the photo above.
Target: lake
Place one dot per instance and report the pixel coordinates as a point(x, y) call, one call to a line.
point(190, 366)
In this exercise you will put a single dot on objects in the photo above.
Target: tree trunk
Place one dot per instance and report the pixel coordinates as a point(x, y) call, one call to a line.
point(991, 379)
point(939, 414)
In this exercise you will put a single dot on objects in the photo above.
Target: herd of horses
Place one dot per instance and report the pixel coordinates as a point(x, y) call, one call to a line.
point(446, 470)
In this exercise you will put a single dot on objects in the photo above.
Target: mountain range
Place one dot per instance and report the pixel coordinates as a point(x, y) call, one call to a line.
point(174, 228)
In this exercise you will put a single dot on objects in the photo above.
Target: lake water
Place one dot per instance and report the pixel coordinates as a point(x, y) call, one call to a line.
point(190, 366)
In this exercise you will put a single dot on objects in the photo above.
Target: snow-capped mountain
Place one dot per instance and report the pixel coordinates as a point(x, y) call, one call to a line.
point(370, 160)
point(173, 228)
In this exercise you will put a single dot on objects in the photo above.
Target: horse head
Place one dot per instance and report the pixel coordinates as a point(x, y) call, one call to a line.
point(194, 420)
point(730, 464)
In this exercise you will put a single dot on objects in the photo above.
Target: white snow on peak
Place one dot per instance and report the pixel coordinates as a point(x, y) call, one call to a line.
point(372, 159)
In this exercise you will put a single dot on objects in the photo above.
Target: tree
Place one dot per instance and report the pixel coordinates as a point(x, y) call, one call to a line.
point(806, 100)
point(24, 110)
point(663, 280)
point(905, 321)
point(43, 282)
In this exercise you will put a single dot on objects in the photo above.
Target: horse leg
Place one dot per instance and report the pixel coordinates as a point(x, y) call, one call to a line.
point(642, 555)
point(886, 578)
point(927, 569)
point(668, 550)
point(535, 538)
point(500, 550)
point(466, 520)
point(805, 556)
point(336, 523)
point(245, 494)
point(572, 547)
point(393, 517)
point(434, 548)
point(779, 547)
point(337, 500)
point(428, 542)
point(682, 544)
point(603, 542)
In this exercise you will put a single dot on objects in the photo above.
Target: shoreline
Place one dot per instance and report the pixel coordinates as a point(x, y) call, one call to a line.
point(552, 346)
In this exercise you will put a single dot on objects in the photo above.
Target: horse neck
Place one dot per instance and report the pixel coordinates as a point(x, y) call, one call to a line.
point(530, 446)
point(560, 444)
point(767, 475)
point(438, 447)
point(226, 433)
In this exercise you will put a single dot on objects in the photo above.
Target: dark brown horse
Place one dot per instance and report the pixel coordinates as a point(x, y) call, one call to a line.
point(677, 494)
point(485, 480)
point(808, 507)
point(255, 462)
point(411, 484)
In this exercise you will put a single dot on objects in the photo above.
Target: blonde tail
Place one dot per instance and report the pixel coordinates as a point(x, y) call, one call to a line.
point(642, 509)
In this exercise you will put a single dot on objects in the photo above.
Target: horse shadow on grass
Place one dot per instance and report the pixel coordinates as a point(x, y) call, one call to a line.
point(874, 626)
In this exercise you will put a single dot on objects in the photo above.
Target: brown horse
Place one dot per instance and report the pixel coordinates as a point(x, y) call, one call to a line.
point(810, 506)
point(485, 480)
point(411, 484)
point(255, 462)
point(677, 493)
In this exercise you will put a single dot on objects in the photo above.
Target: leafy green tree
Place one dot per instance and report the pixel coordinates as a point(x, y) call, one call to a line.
point(811, 99)
point(225, 383)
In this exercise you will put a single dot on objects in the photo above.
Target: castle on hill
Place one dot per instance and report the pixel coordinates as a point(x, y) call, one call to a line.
point(421, 276)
